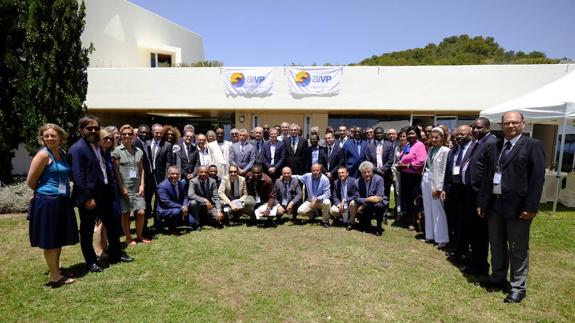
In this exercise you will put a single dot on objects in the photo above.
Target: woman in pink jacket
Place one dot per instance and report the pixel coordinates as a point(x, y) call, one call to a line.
point(411, 166)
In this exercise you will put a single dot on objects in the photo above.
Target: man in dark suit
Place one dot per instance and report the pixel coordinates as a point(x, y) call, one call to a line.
point(173, 200)
point(381, 154)
point(288, 194)
point(314, 154)
point(204, 199)
point(455, 206)
point(354, 152)
point(509, 197)
point(93, 193)
point(334, 157)
point(243, 154)
point(184, 156)
point(258, 144)
point(472, 175)
point(343, 194)
point(160, 152)
point(295, 146)
point(370, 200)
point(273, 155)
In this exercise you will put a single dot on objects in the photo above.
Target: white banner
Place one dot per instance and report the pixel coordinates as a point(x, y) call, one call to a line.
point(318, 81)
point(248, 82)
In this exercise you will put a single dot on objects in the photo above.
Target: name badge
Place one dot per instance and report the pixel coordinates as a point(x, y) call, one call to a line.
point(258, 200)
point(456, 170)
point(497, 178)
point(285, 202)
point(133, 173)
point(61, 188)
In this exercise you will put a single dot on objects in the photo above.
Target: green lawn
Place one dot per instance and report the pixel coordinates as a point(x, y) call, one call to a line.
point(291, 273)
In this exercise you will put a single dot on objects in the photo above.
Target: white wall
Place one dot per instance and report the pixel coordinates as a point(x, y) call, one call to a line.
point(427, 89)
point(124, 34)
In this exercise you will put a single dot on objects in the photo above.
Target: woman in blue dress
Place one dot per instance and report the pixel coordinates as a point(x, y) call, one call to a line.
point(52, 219)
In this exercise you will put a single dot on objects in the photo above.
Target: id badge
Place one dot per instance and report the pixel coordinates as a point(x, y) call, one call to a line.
point(133, 173)
point(258, 200)
point(284, 202)
point(61, 188)
point(456, 170)
point(497, 178)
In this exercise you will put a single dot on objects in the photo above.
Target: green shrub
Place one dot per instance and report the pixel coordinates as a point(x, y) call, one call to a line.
point(14, 198)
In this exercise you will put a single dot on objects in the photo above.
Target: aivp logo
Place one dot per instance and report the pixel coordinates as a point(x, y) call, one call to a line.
point(239, 79)
point(303, 78)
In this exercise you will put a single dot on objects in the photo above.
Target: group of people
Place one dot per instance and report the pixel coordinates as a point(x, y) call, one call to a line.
point(465, 191)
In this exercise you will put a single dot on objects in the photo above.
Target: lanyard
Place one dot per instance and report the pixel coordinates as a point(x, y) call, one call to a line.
point(60, 181)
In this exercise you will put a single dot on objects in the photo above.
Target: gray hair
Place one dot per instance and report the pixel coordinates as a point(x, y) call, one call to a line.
point(365, 166)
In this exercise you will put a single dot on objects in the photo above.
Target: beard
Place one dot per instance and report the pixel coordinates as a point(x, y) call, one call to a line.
point(92, 137)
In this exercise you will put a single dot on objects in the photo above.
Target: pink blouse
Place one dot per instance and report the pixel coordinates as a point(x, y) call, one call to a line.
point(416, 156)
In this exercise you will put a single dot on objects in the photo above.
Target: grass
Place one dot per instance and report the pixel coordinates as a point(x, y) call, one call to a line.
point(290, 273)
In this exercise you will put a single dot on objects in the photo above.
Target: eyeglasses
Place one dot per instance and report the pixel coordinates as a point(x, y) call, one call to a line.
point(233, 171)
point(109, 138)
point(91, 129)
point(234, 134)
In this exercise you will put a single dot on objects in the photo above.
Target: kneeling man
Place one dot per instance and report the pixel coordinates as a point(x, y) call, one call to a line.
point(173, 201)
point(233, 194)
point(261, 194)
point(318, 195)
point(288, 192)
point(343, 195)
point(204, 199)
point(370, 200)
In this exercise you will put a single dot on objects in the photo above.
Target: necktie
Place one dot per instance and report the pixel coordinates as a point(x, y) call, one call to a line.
point(176, 189)
point(460, 156)
point(205, 188)
point(286, 191)
point(234, 189)
point(329, 149)
point(293, 144)
point(505, 153)
point(358, 143)
point(379, 155)
point(258, 145)
point(242, 149)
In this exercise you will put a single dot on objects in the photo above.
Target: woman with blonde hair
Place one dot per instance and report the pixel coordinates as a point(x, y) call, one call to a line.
point(432, 190)
point(52, 219)
point(130, 177)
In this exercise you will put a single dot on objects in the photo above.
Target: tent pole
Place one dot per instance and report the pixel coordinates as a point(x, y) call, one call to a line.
point(560, 164)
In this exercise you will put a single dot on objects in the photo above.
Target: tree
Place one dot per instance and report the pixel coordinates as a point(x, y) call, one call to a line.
point(459, 50)
point(55, 81)
point(11, 69)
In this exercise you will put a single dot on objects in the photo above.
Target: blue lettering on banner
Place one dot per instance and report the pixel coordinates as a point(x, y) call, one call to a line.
point(255, 79)
point(321, 78)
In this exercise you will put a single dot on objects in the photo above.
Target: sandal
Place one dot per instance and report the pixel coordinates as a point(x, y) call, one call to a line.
point(61, 282)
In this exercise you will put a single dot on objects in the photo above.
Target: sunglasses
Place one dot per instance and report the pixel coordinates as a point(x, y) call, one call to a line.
point(109, 138)
point(127, 134)
point(92, 128)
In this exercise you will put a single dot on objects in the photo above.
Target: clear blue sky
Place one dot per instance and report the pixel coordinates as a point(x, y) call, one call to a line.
point(274, 33)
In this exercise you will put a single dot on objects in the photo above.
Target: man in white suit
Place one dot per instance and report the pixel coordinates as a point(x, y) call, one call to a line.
point(220, 152)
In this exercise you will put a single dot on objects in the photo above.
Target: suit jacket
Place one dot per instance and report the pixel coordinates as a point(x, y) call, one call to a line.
point(336, 196)
point(196, 161)
point(352, 157)
point(225, 189)
point(265, 189)
point(221, 156)
point(475, 171)
point(279, 156)
point(86, 173)
point(146, 160)
point(164, 159)
point(196, 193)
point(243, 162)
point(437, 170)
point(376, 187)
point(258, 153)
point(184, 161)
point(321, 158)
point(170, 203)
point(449, 177)
point(387, 157)
point(294, 189)
point(295, 159)
point(335, 160)
point(522, 178)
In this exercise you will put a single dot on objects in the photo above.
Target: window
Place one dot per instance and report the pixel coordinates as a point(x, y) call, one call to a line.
point(160, 60)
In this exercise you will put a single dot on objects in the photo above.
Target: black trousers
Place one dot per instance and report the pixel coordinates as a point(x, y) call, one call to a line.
point(104, 211)
point(372, 211)
point(477, 232)
point(458, 210)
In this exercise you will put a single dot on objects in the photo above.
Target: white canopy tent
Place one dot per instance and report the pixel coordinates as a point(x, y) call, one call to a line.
point(553, 103)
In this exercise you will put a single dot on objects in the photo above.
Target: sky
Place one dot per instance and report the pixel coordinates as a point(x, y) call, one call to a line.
point(304, 32)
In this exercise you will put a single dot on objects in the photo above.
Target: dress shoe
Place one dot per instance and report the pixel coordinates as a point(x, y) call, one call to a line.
point(126, 258)
point(325, 225)
point(349, 227)
point(378, 233)
point(494, 285)
point(514, 297)
point(94, 268)
point(467, 270)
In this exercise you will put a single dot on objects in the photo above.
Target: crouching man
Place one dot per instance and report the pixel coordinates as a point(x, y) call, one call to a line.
point(370, 199)
point(343, 194)
point(173, 201)
point(204, 199)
